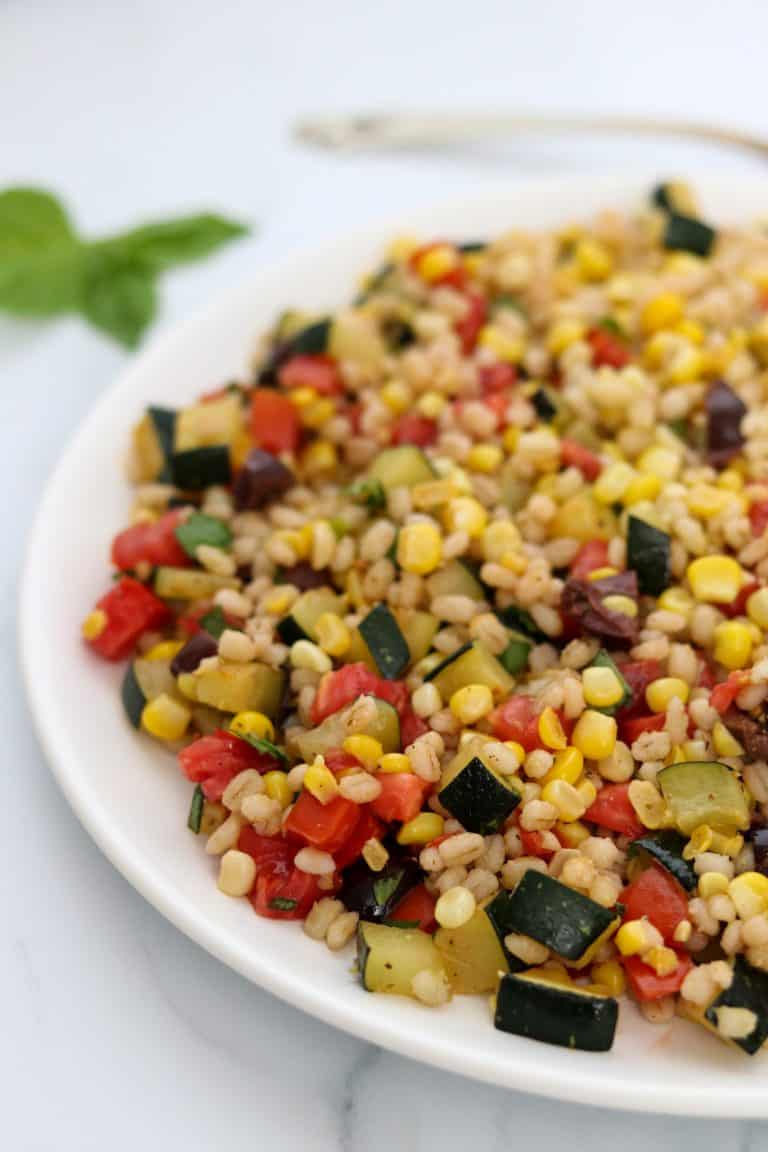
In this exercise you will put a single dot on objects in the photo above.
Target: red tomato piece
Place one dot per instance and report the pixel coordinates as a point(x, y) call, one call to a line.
point(212, 761)
point(613, 810)
point(417, 905)
point(647, 985)
point(265, 850)
point(130, 609)
point(455, 277)
point(401, 796)
point(630, 729)
point(495, 378)
point(324, 826)
point(638, 675)
point(738, 607)
point(607, 349)
point(281, 893)
point(320, 373)
point(574, 455)
point(656, 894)
point(411, 727)
point(342, 687)
point(468, 328)
point(723, 695)
point(593, 554)
point(534, 845)
point(758, 517)
point(338, 760)
point(498, 404)
point(410, 428)
point(274, 421)
point(368, 827)
point(150, 544)
point(516, 719)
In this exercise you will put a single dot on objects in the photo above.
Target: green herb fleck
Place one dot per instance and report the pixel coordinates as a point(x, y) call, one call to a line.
point(196, 810)
point(201, 529)
point(385, 887)
point(261, 744)
point(282, 904)
point(401, 923)
point(368, 492)
point(214, 622)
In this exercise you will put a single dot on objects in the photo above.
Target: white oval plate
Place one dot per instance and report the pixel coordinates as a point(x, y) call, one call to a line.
point(130, 795)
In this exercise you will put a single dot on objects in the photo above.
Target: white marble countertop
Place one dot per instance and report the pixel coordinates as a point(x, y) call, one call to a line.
point(117, 1032)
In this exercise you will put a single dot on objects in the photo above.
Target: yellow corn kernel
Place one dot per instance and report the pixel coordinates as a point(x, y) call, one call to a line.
point(397, 396)
point(705, 500)
point(277, 787)
point(419, 548)
point(691, 330)
point(423, 828)
point(392, 762)
point(594, 735)
point(611, 976)
point(500, 537)
point(165, 650)
point(187, 685)
point(602, 687)
point(730, 479)
point(687, 364)
point(367, 749)
point(657, 349)
point(712, 884)
point(562, 334)
point(353, 586)
point(623, 604)
point(663, 960)
point(612, 482)
point(587, 791)
point(318, 413)
point(715, 579)
point(320, 457)
point(676, 599)
point(551, 730)
point(566, 799)
point(278, 601)
point(518, 750)
point(733, 644)
point(660, 693)
point(568, 766)
point(571, 835)
point(165, 718)
point(332, 634)
point(757, 608)
point(505, 347)
point(662, 311)
point(484, 458)
point(94, 624)
point(648, 803)
point(578, 517)
point(431, 404)
point(510, 438)
point(320, 781)
point(306, 654)
point(401, 248)
point(659, 461)
point(749, 892)
point(645, 487)
point(594, 261)
point(253, 724)
point(700, 841)
point(470, 703)
point(635, 937)
point(433, 493)
point(465, 514)
point(302, 397)
point(437, 262)
point(601, 573)
point(473, 263)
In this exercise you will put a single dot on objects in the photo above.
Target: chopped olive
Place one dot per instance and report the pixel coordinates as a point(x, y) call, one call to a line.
point(725, 412)
point(261, 478)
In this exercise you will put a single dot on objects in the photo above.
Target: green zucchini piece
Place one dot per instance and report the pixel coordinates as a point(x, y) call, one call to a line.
point(388, 958)
point(472, 954)
point(521, 620)
point(190, 584)
point(301, 621)
point(385, 642)
point(164, 426)
point(648, 553)
point(449, 660)
point(200, 529)
point(673, 196)
point(545, 405)
point(474, 794)
point(312, 340)
point(196, 810)
point(370, 493)
point(454, 579)
point(198, 468)
point(515, 655)
point(686, 234)
point(666, 848)
point(154, 678)
point(570, 1017)
point(472, 246)
point(214, 622)
point(153, 440)
point(705, 792)
point(603, 660)
point(749, 990)
point(514, 490)
point(385, 727)
point(472, 664)
point(232, 687)
point(565, 921)
point(419, 630)
point(132, 696)
point(401, 467)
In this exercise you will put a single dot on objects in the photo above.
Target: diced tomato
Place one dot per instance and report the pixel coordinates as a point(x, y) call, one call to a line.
point(274, 421)
point(647, 985)
point(738, 607)
point(469, 326)
point(498, 377)
point(613, 810)
point(265, 850)
point(593, 554)
point(723, 695)
point(411, 726)
point(283, 893)
point(342, 687)
point(320, 373)
point(130, 609)
point(401, 796)
point(353, 413)
point(632, 728)
point(154, 543)
point(534, 845)
point(368, 827)
point(575, 455)
point(758, 517)
point(607, 349)
point(516, 719)
point(656, 894)
point(419, 906)
point(706, 678)
point(638, 675)
point(339, 761)
point(498, 404)
point(212, 761)
point(410, 428)
point(324, 826)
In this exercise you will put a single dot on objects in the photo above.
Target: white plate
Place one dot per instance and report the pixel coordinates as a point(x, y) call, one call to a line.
point(130, 795)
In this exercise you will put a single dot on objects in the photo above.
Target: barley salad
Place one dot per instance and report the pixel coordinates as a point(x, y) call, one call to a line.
point(455, 617)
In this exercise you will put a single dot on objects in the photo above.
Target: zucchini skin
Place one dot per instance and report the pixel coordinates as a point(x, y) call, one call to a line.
point(555, 1015)
point(385, 642)
point(448, 661)
point(666, 847)
point(557, 916)
point(749, 989)
point(164, 423)
point(478, 798)
point(198, 468)
point(648, 553)
point(686, 234)
point(132, 696)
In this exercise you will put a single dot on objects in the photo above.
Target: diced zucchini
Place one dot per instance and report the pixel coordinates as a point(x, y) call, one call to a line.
point(472, 664)
point(190, 584)
point(474, 794)
point(419, 630)
point(686, 234)
point(375, 895)
point(308, 339)
point(196, 810)
point(401, 467)
point(648, 553)
point(200, 529)
point(209, 424)
point(199, 468)
point(386, 643)
point(301, 621)
point(153, 444)
point(748, 990)
point(568, 1016)
point(705, 792)
point(234, 687)
point(472, 954)
point(454, 579)
point(132, 697)
point(384, 727)
point(515, 655)
point(603, 660)
point(520, 620)
point(666, 848)
point(545, 404)
point(565, 921)
point(674, 196)
point(514, 490)
point(154, 678)
point(388, 958)
point(355, 336)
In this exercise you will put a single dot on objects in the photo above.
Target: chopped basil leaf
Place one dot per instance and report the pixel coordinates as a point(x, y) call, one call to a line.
point(369, 492)
point(196, 810)
point(385, 887)
point(201, 529)
point(214, 622)
point(261, 744)
point(608, 324)
point(282, 904)
point(401, 923)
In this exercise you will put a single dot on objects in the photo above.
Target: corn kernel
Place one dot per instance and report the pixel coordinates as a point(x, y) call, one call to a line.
point(645, 487)
point(648, 803)
point(278, 601)
point(433, 493)
point(431, 404)
point(500, 537)
point(567, 799)
point(551, 731)
point(562, 334)
point(320, 782)
point(470, 703)
point(94, 624)
point(568, 766)
point(730, 479)
point(587, 791)
point(318, 413)
point(423, 828)
point(302, 397)
point(165, 650)
point(691, 330)
point(662, 311)
point(510, 439)
point(593, 260)
point(611, 976)
point(187, 685)
point(465, 514)
point(602, 573)
point(700, 841)
point(419, 548)
point(602, 687)
point(687, 364)
point(660, 693)
point(712, 884)
point(473, 263)
point(253, 724)
point(375, 854)
point(623, 604)
point(277, 787)
point(676, 599)
point(333, 636)
point(571, 835)
point(397, 396)
point(663, 960)
point(594, 734)
point(612, 482)
point(321, 456)
point(733, 644)
point(394, 762)
point(578, 517)
point(749, 893)
point(437, 262)
point(367, 749)
point(485, 458)
point(757, 608)
point(705, 501)
point(506, 347)
point(637, 936)
point(715, 579)
point(306, 654)
point(165, 718)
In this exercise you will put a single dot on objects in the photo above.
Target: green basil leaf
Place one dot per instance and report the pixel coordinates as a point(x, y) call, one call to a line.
point(261, 744)
point(42, 283)
point(118, 295)
point(170, 242)
point(31, 220)
point(282, 904)
point(214, 622)
point(385, 887)
point(201, 529)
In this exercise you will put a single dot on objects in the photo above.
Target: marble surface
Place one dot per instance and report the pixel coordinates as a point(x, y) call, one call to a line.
point(116, 1032)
